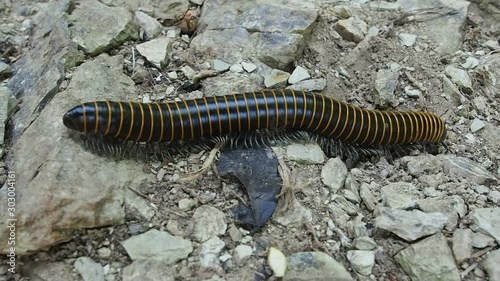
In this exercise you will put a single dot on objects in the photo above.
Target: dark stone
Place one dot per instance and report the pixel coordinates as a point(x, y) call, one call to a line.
point(257, 169)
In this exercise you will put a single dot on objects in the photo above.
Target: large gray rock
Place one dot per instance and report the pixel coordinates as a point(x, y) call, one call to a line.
point(89, 269)
point(208, 222)
point(352, 29)
point(385, 85)
point(463, 168)
point(54, 271)
point(231, 83)
point(97, 28)
point(487, 221)
point(151, 26)
point(39, 73)
point(462, 244)
point(399, 195)
point(435, 28)
point(277, 50)
point(159, 246)
point(61, 185)
point(314, 266)
point(258, 16)
point(429, 260)
point(157, 51)
point(410, 225)
point(333, 174)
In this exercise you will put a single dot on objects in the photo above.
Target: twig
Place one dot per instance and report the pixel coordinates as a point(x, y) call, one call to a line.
point(468, 269)
point(317, 243)
point(133, 60)
point(139, 193)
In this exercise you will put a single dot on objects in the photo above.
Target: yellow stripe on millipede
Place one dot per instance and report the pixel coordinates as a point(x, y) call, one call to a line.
point(96, 117)
point(435, 127)
point(161, 121)
point(199, 117)
point(84, 119)
point(353, 123)
point(294, 108)
point(331, 116)
point(397, 127)
point(286, 108)
point(405, 132)
point(152, 122)
point(121, 120)
point(109, 118)
point(390, 129)
point(228, 113)
point(237, 112)
point(258, 110)
point(426, 126)
point(338, 117)
point(209, 115)
point(218, 114)
point(346, 119)
point(313, 112)
point(276, 113)
point(375, 135)
point(131, 120)
point(322, 113)
point(267, 109)
point(369, 126)
point(304, 113)
point(248, 112)
point(180, 119)
point(142, 122)
point(189, 118)
point(412, 129)
point(171, 115)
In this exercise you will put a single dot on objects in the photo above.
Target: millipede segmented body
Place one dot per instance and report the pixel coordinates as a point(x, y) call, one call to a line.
point(268, 109)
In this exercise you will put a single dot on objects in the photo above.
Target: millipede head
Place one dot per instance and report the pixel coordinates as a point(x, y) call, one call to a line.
point(74, 119)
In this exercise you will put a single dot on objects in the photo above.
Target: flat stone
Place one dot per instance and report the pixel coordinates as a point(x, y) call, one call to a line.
point(188, 72)
point(306, 266)
point(276, 79)
point(487, 221)
point(151, 26)
point(97, 28)
point(481, 241)
point(412, 92)
point(364, 243)
point(208, 222)
point(242, 253)
point(219, 65)
point(476, 125)
point(462, 244)
point(333, 174)
point(148, 270)
point(448, 207)
point(172, 75)
point(168, 10)
point(407, 39)
point(5, 95)
point(89, 269)
point(54, 271)
point(248, 66)
point(459, 77)
point(210, 251)
point(494, 196)
point(352, 29)
point(186, 204)
point(490, 66)
point(422, 165)
point(470, 63)
point(463, 168)
point(492, 45)
point(386, 82)
point(231, 83)
point(429, 260)
point(361, 261)
point(157, 245)
point(435, 28)
point(310, 153)
point(299, 74)
point(491, 265)
point(56, 158)
point(341, 11)
point(400, 195)
point(156, 51)
point(309, 85)
point(139, 204)
point(277, 50)
point(236, 68)
point(367, 196)
point(410, 225)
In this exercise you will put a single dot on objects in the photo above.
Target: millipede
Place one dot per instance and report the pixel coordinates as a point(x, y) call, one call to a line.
point(255, 118)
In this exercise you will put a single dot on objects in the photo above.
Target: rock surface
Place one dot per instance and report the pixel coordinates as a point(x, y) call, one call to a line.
point(157, 51)
point(429, 259)
point(89, 269)
point(148, 270)
point(315, 266)
point(208, 222)
point(159, 246)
